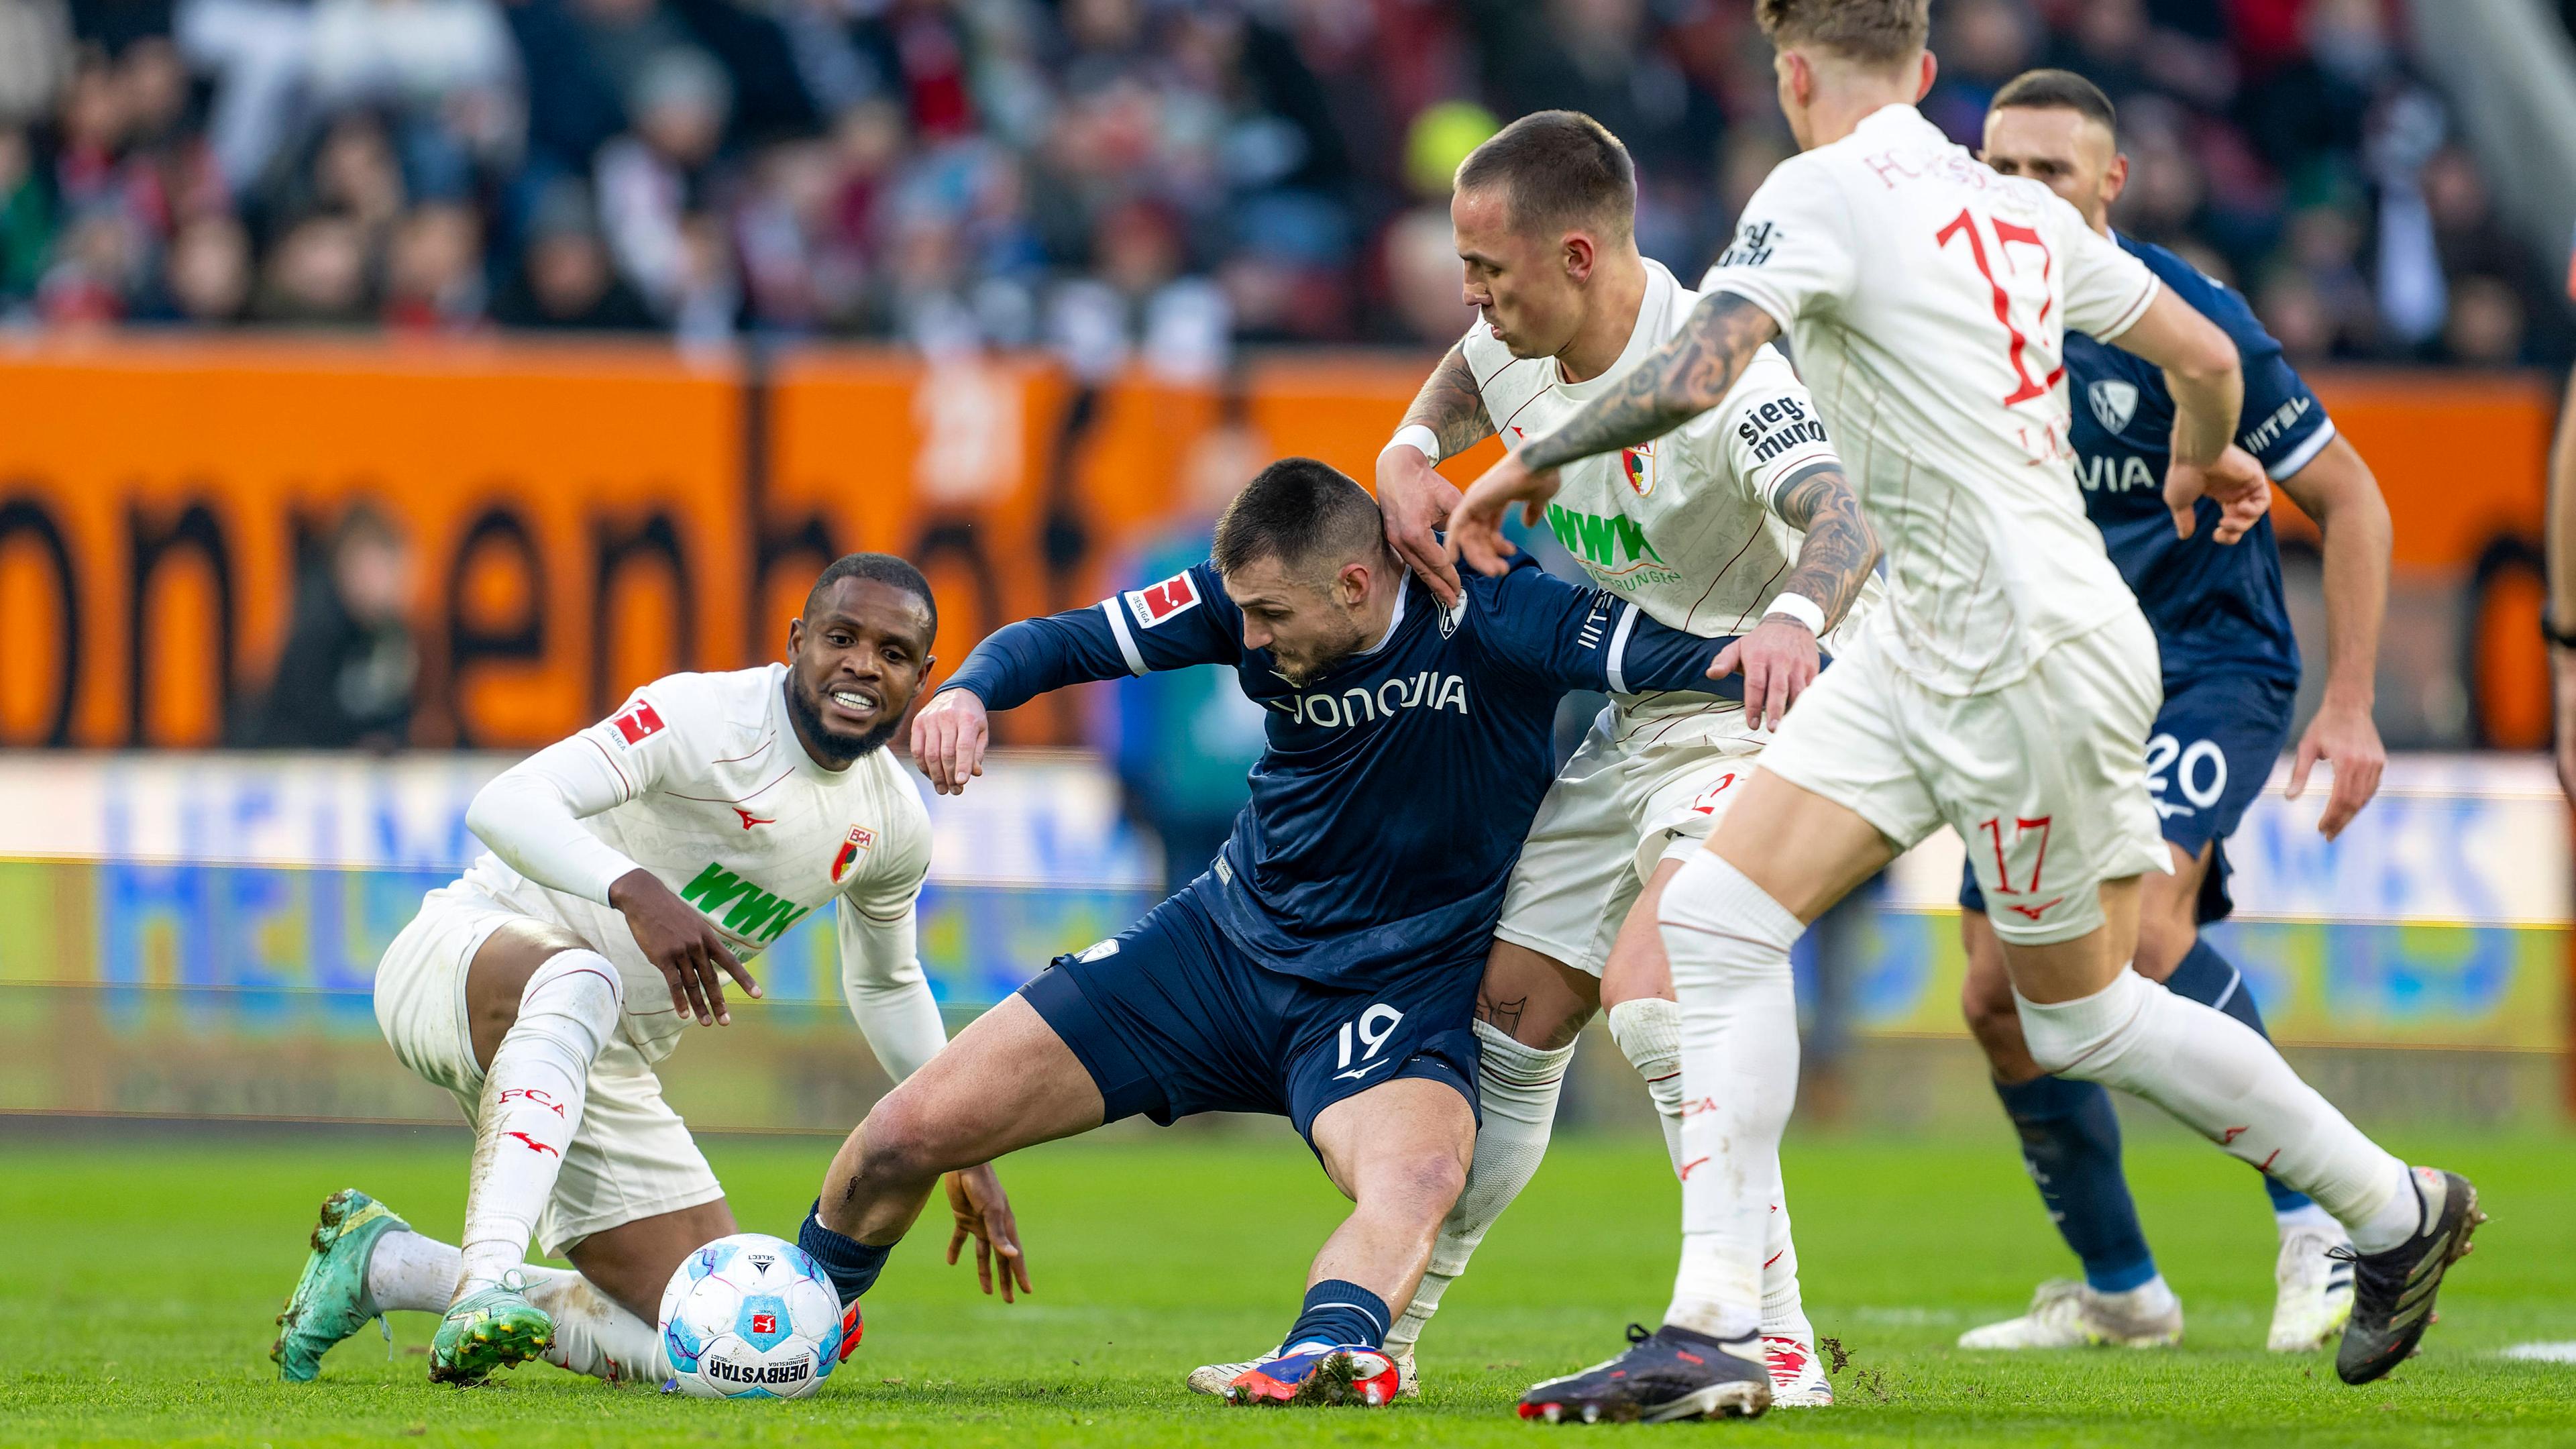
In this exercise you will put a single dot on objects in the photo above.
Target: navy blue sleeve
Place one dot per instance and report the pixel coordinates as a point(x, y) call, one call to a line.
point(2282, 424)
point(1184, 620)
point(1554, 636)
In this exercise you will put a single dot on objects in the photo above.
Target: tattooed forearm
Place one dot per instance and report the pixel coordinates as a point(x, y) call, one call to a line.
point(1841, 548)
point(1685, 377)
point(1452, 406)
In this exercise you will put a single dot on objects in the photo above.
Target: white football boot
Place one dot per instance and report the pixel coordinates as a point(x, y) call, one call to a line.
point(2067, 1314)
point(1213, 1378)
point(1797, 1376)
point(2315, 1291)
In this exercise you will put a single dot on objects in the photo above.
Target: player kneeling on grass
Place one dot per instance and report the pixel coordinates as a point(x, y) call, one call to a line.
point(1325, 966)
point(632, 867)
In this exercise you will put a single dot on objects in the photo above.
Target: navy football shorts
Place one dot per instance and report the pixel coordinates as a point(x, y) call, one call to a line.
point(2215, 743)
point(1172, 1018)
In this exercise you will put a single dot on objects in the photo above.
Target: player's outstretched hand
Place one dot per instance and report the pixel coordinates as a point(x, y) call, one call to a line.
point(2343, 736)
point(1416, 500)
point(2236, 483)
point(1476, 524)
point(948, 739)
point(1779, 659)
point(682, 944)
point(983, 1212)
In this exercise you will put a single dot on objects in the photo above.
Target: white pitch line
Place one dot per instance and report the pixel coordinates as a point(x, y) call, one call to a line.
point(2563, 1351)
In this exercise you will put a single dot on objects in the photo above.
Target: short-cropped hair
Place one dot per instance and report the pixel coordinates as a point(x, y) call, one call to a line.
point(1303, 513)
point(1559, 170)
point(2058, 90)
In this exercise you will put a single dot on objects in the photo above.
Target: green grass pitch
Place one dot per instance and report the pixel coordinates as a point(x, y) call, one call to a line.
point(144, 1272)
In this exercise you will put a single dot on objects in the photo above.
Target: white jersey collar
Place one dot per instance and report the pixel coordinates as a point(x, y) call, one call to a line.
point(1395, 620)
point(1654, 307)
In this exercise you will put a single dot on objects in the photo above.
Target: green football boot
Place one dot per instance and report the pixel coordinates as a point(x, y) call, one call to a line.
point(489, 1329)
point(330, 1301)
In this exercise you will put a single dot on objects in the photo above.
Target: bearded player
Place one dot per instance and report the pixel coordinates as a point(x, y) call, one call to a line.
point(1741, 523)
point(2231, 676)
point(1324, 968)
point(2003, 691)
point(632, 868)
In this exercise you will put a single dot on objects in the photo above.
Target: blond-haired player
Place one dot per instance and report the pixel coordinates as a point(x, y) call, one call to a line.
point(2003, 691)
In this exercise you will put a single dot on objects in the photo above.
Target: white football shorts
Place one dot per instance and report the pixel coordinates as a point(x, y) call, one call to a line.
point(2044, 778)
point(631, 1157)
point(1646, 786)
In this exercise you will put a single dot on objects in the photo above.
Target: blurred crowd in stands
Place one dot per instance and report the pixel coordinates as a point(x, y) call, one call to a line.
point(1118, 180)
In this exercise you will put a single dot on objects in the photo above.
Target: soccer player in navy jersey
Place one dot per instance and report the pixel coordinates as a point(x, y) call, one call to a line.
point(2231, 671)
point(1324, 967)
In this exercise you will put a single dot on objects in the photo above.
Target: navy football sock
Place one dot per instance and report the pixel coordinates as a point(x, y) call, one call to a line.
point(2070, 1138)
point(1339, 1313)
point(2212, 980)
point(853, 1266)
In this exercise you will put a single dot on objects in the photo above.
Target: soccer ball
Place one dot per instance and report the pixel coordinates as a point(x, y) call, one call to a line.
point(753, 1317)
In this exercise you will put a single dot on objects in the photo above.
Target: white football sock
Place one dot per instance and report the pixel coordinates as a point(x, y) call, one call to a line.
point(1729, 942)
point(2222, 1078)
point(594, 1334)
point(2307, 1218)
point(410, 1273)
point(531, 1105)
point(1649, 1033)
point(2152, 1299)
point(1517, 1086)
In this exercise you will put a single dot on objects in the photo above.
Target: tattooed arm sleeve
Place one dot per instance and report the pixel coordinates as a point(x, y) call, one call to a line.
point(1451, 405)
point(1685, 377)
point(1840, 548)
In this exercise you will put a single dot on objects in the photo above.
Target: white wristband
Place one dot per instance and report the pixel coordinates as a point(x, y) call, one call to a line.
point(1417, 436)
point(1801, 608)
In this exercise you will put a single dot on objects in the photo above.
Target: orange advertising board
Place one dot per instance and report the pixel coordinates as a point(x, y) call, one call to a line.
point(585, 516)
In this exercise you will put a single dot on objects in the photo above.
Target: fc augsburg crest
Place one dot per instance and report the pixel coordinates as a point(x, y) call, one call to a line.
point(861, 838)
point(1637, 465)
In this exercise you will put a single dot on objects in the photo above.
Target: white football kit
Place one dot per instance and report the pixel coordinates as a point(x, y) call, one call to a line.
point(1683, 527)
point(2006, 685)
point(699, 778)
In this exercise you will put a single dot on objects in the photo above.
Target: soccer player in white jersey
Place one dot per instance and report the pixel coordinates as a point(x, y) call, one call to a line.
point(2002, 691)
point(631, 869)
point(1740, 523)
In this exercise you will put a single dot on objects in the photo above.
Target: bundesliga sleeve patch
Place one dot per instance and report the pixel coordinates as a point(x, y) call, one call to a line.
point(638, 724)
point(1160, 603)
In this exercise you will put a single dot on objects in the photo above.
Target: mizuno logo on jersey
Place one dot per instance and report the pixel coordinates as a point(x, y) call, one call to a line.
point(1340, 711)
point(1169, 599)
point(749, 912)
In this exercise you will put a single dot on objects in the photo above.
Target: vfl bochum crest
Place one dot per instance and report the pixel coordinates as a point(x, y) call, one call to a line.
point(2114, 403)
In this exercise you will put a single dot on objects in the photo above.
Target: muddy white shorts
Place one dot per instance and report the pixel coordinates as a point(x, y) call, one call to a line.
point(1646, 786)
point(631, 1157)
point(2044, 778)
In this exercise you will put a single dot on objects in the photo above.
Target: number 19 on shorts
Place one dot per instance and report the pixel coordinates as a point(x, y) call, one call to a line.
point(1366, 1035)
